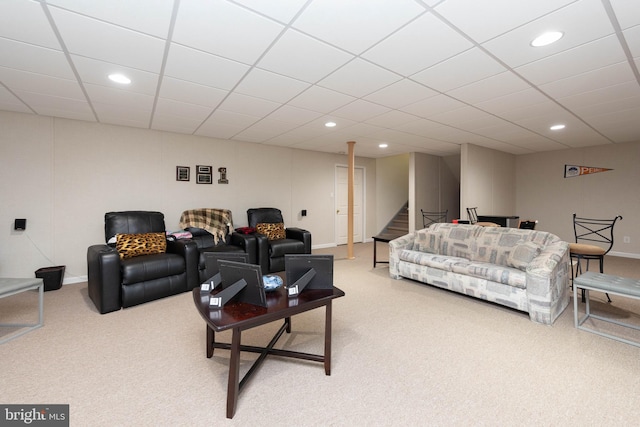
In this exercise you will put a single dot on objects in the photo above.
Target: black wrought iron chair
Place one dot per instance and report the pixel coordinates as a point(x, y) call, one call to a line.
point(586, 231)
point(472, 213)
point(429, 218)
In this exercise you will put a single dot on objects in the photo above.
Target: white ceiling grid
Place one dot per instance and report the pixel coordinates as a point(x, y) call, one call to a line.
point(420, 75)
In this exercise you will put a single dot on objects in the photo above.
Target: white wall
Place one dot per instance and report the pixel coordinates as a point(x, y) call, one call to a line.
point(544, 194)
point(487, 181)
point(63, 175)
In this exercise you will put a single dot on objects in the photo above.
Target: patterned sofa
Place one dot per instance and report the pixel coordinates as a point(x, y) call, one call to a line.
point(523, 269)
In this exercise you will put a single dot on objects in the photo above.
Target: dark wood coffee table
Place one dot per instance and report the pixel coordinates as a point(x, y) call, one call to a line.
point(242, 316)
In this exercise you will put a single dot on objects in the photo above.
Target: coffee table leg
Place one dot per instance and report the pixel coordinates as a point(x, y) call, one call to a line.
point(211, 338)
point(327, 340)
point(234, 374)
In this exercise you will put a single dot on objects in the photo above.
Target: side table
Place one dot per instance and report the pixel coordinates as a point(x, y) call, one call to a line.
point(10, 287)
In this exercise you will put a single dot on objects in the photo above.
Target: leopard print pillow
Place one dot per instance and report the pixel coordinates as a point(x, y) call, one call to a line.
point(273, 231)
point(132, 245)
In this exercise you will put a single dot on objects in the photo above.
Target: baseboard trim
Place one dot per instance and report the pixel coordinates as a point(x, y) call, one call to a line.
point(624, 255)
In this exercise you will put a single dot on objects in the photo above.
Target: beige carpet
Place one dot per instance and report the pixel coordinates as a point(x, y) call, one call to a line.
point(404, 354)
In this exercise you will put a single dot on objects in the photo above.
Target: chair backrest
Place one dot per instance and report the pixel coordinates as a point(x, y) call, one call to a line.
point(429, 218)
point(595, 230)
point(528, 224)
point(132, 222)
point(473, 215)
point(256, 216)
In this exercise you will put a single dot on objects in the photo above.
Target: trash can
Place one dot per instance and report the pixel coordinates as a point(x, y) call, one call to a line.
point(51, 276)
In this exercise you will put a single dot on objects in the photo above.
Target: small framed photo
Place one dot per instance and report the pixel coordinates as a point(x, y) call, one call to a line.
point(183, 173)
point(204, 169)
point(203, 178)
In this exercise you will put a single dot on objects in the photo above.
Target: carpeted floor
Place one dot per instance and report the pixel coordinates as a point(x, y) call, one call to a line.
point(404, 354)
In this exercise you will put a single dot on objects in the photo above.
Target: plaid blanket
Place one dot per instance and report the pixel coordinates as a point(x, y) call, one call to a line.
point(215, 221)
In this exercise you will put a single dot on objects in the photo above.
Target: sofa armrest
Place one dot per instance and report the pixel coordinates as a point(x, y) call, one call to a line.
point(103, 278)
point(187, 249)
point(395, 246)
point(547, 283)
point(262, 251)
point(302, 235)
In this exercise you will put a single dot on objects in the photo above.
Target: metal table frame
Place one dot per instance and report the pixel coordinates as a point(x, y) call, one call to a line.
point(10, 287)
point(579, 282)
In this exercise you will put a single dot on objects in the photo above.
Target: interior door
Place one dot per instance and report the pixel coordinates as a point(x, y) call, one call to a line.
point(341, 201)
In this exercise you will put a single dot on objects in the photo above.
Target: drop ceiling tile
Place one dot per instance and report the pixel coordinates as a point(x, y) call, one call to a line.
point(282, 11)
point(92, 71)
point(587, 57)
point(632, 37)
point(483, 20)
point(173, 123)
point(489, 88)
point(431, 106)
point(231, 31)
point(423, 127)
point(290, 114)
point(10, 103)
point(240, 120)
point(215, 128)
point(249, 105)
point(582, 22)
point(360, 110)
point(602, 98)
point(271, 86)
point(33, 26)
point(184, 91)
point(44, 104)
point(348, 24)
point(548, 109)
point(392, 119)
point(99, 40)
point(302, 57)
point(35, 59)
point(169, 107)
point(264, 130)
point(513, 101)
point(40, 83)
point(148, 16)
point(591, 80)
point(321, 99)
point(401, 93)
point(131, 101)
point(359, 78)
point(627, 12)
point(122, 115)
point(621, 105)
point(204, 68)
point(448, 74)
point(412, 48)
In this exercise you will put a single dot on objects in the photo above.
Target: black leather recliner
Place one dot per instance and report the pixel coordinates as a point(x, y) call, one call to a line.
point(271, 252)
point(114, 283)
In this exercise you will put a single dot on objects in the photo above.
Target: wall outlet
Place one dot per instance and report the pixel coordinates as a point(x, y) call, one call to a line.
point(626, 239)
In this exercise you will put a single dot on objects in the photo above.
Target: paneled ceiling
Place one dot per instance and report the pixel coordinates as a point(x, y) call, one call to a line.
point(419, 75)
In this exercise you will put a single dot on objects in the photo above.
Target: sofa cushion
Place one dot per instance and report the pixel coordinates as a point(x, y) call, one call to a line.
point(133, 245)
point(440, 262)
point(522, 254)
point(273, 231)
point(427, 241)
point(494, 273)
point(157, 266)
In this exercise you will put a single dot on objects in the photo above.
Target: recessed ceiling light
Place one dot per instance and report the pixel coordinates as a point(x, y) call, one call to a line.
point(557, 127)
point(383, 145)
point(330, 124)
point(120, 78)
point(547, 38)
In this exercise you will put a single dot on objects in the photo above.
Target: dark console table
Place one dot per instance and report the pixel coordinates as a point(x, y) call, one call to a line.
point(501, 220)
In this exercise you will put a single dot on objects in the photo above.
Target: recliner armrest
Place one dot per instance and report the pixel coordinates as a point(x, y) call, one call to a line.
point(302, 235)
point(248, 243)
point(187, 249)
point(103, 278)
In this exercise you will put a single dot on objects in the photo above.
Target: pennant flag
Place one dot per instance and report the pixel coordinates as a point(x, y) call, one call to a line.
point(573, 170)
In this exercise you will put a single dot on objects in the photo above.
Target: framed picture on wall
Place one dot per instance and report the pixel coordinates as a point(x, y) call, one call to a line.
point(204, 169)
point(203, 178)
point(182, 173)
